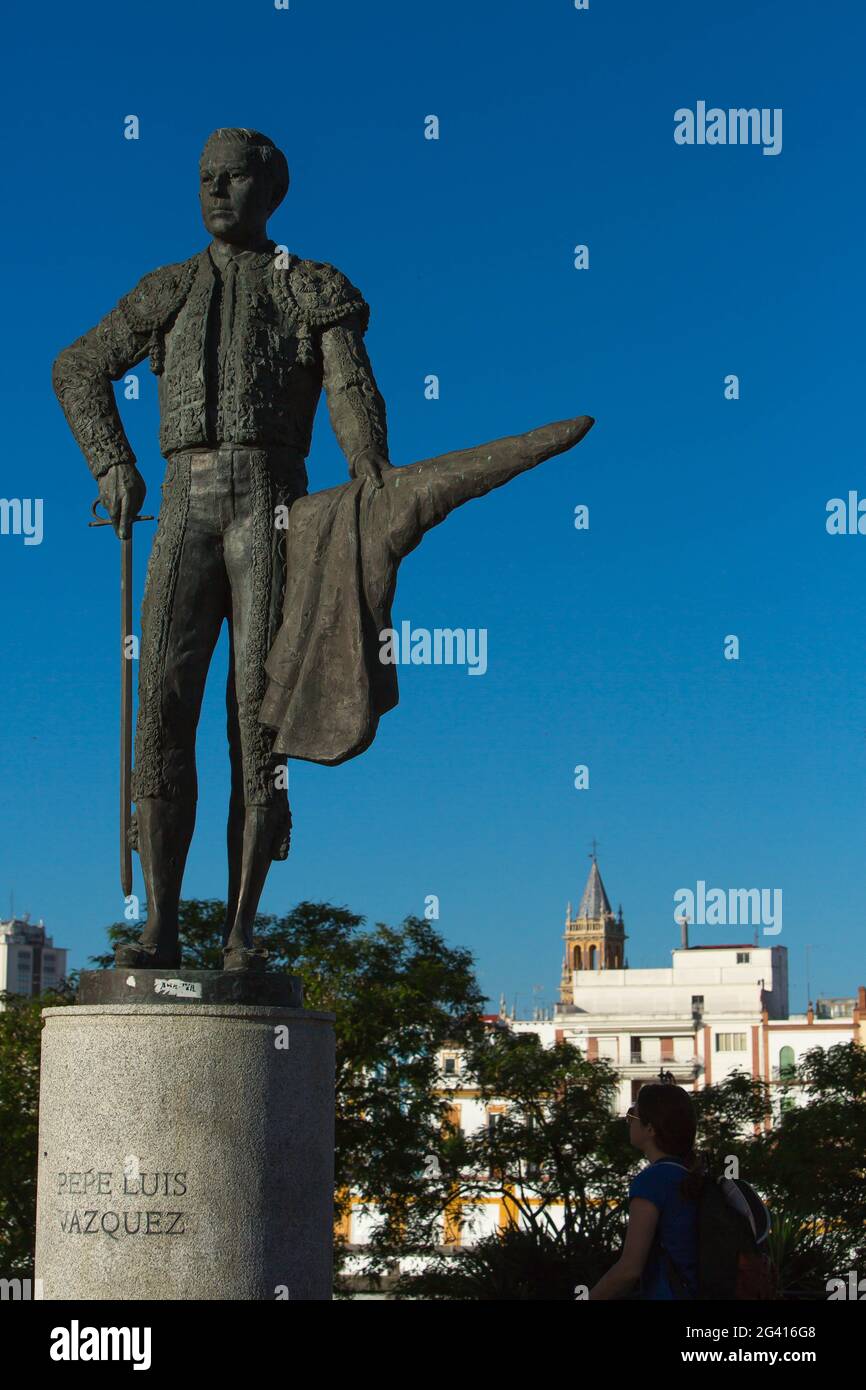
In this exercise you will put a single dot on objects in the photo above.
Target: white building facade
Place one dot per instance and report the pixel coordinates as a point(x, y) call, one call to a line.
point(29, 961)
point(715, 1010)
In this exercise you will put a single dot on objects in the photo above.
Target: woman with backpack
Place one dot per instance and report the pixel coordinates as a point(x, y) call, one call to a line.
point(661, 1244)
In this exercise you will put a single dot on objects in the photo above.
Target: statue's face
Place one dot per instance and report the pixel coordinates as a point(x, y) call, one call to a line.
point(235, 192)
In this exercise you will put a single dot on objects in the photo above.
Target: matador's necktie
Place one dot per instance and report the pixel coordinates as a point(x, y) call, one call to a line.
point(227, 313)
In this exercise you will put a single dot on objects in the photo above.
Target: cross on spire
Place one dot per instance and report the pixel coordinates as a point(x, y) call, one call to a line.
point(593, 854)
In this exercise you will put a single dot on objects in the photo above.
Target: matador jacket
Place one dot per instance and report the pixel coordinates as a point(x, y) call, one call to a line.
point(298, 325)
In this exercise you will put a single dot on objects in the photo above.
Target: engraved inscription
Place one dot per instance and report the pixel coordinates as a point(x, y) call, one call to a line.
point(119, 1220)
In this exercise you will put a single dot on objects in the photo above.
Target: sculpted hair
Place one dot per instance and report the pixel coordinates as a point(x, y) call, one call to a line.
point(272, 158)
point(670, 1111)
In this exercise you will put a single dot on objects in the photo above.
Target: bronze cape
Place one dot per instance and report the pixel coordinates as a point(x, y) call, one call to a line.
point(327, 687)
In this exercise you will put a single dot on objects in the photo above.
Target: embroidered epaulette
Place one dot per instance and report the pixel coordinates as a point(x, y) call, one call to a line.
point(158, 296)
point(318, 296)
point(156, 301)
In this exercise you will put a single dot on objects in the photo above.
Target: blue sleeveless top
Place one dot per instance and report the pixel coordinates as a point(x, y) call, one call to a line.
point(677, 1228)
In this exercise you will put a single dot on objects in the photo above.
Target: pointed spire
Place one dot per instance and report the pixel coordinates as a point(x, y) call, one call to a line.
point(594, 903)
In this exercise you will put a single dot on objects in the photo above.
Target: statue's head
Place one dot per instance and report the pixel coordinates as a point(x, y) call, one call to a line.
point(243, 177)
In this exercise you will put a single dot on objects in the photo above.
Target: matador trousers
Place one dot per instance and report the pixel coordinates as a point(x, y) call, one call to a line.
point(218, 556)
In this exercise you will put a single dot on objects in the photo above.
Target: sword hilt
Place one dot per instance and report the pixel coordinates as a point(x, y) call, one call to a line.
point(106, 520)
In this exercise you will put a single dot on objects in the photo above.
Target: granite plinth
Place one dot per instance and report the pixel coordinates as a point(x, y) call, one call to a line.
point(186, 1151)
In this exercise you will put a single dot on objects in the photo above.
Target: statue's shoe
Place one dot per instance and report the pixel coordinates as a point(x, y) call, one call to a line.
point(145, 958)
point(242, 958)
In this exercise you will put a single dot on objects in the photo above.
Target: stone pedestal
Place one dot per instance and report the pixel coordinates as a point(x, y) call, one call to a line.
point(186, 1150)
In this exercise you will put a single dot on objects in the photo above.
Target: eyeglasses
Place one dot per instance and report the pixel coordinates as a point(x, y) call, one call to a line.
point(631, 1114)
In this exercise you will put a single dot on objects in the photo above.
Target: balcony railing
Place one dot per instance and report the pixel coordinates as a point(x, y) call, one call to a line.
point(651, 1066)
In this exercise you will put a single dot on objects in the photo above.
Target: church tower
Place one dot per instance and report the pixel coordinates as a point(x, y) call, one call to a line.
point(594, 939)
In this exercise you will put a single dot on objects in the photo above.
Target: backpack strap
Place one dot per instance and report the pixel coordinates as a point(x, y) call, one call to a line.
point(677, 1282)
point(675, 1278)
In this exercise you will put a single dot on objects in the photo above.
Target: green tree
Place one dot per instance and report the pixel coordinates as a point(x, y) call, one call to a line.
point(812, 1169)
point(558, 1143)
point(555, 1159)
point(20, 1030)
point(729, 1114)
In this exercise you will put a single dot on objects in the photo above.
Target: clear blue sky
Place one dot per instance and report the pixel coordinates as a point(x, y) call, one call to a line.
point(707, 515)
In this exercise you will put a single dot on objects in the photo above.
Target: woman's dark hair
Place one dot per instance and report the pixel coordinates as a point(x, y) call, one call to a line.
point(670, 1111)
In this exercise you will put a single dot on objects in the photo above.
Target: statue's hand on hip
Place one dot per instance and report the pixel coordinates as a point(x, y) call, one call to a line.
point(122, 491)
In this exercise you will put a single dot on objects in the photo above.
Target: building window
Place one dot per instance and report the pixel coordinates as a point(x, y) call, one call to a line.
point(450, 1066)
point(592, 1049)
point(531, 1167)
point(787, 1064)
point(454, 1112)
point(635, 1050)
point(494, 1118)
point(730, 1042)
point(667, 1045)
point(743, 958)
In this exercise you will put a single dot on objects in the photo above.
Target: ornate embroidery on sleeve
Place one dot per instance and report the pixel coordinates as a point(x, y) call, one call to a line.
point(83, 373)
point(355, 403)
point(82, 378)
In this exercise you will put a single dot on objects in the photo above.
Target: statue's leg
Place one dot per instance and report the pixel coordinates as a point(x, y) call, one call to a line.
point(237, 804)
point(186, 600)
point(164, 834)
point(259, 818)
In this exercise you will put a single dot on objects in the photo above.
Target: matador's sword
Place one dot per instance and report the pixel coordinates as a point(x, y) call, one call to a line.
point(125, 694)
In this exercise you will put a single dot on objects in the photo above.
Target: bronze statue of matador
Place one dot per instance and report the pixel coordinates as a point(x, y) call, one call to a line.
point(243, 338)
